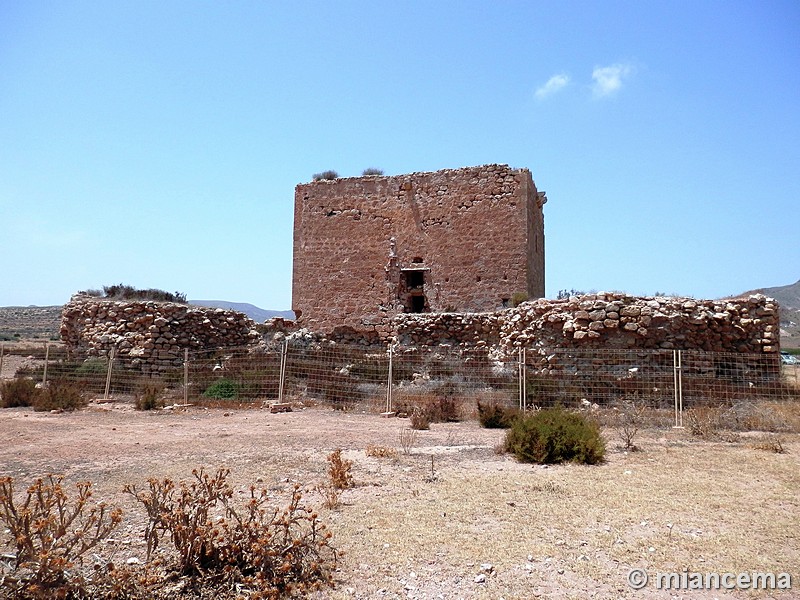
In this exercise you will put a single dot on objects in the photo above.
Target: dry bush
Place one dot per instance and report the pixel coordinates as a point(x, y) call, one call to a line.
point(419, 419)
point(442, 404)
point(339, 470)
point(442, 408)
point(149, 396)
point(51, 534)
point(380, 451)
point(18, 392)
point(773, 416)
point(496, 416)
point(59, 395)
point(271, 552)
point(704, 421)
point(631, 419)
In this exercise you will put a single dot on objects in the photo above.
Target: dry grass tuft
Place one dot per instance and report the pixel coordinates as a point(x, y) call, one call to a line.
point(380, 451)
point(769, 443)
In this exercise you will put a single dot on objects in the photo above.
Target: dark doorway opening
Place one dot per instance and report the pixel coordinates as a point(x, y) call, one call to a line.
point(415, 279)
point(417, 304)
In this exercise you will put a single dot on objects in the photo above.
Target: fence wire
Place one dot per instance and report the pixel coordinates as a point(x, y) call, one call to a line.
point(398, 379)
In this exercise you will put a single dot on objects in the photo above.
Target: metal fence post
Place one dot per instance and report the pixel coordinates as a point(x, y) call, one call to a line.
point(523, 384)
point(108, 373)
point(46, 360)
point(186, 376)
point(677, 377)
point(389, 384)
point(282, 376)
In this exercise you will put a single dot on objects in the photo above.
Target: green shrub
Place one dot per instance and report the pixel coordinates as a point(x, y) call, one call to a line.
point(59, 395)
point(555, 435)
point(518, 298)
point(222, 389)
point(496, 416)
point(17, 392)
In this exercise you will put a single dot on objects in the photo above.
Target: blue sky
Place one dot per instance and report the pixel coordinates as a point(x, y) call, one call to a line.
point(158, 143)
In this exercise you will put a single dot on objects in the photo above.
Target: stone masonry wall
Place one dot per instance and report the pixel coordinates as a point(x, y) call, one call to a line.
point(153, 334)
point(369, 248)
point(606, 320)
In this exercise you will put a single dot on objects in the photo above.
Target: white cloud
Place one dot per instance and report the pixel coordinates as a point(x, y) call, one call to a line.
point(607, 80)
point(554, 84)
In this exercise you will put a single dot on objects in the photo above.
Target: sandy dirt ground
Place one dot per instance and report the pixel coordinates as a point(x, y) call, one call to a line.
point(429, 523)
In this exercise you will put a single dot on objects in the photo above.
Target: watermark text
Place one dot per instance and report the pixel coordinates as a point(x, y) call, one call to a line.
point(692, 580)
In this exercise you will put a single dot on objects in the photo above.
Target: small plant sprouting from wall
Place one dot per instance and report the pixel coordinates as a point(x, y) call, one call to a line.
point(518, 298)
point(371, 171)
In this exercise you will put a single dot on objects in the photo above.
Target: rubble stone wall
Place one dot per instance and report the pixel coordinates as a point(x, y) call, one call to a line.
point(606, 320)
point(459, 240)
point(153, 334)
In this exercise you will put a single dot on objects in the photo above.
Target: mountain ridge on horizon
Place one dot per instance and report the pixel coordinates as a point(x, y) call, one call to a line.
point(259, 315)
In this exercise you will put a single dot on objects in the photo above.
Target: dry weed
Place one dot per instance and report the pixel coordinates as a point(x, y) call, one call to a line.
point(769, 443)
point(331, 495)
point(254, 546)
point(339, 470)
point(51, 535)
point(705, 421)
point(408, 439)
point(631, 419)
point(380, 451)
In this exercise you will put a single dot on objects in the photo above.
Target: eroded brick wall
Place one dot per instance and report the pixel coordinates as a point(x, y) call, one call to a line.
point(369, 248)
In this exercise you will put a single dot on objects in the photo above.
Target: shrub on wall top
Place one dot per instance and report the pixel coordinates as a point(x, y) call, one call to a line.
point(128, 292)
point(327, 175)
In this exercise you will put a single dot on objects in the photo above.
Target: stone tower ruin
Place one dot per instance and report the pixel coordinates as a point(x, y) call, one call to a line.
point(456, 240)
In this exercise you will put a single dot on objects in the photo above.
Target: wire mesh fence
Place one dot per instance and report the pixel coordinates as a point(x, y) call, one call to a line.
point(398, 379)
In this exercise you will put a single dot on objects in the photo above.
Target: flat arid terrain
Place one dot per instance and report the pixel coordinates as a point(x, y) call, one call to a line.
point(452, 518)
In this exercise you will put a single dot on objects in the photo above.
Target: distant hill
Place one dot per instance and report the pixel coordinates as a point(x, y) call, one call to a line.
point(29, 322)
point(259, 315)
point(788, 296)
point(43, 322)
